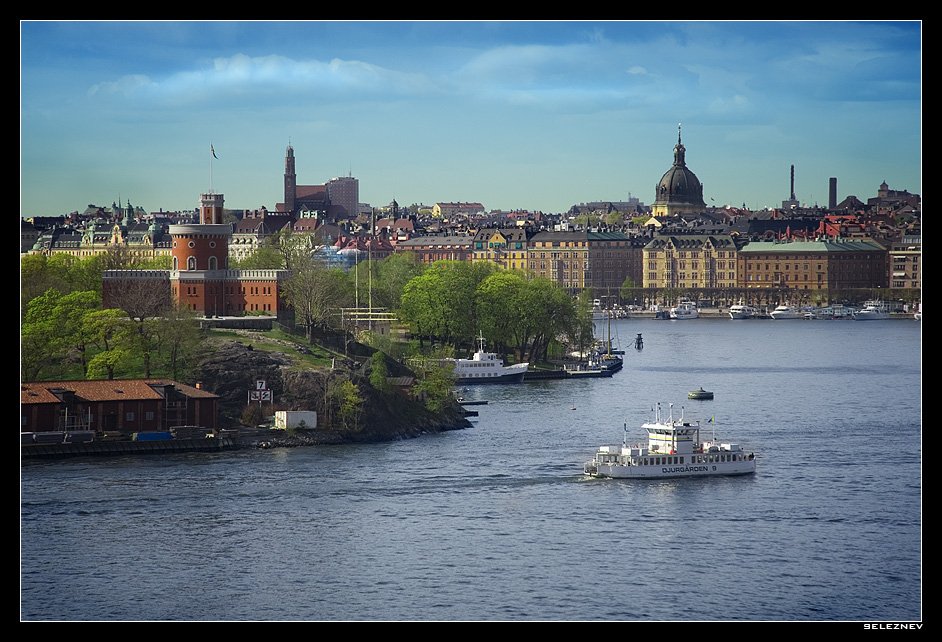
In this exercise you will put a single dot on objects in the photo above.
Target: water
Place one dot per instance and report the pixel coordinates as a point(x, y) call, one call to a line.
point(497, 522)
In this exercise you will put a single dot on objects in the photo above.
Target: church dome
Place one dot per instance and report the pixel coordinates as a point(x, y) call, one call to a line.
point(679, 187)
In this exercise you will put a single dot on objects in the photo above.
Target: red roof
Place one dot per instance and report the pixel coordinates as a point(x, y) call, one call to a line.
point(105, 390)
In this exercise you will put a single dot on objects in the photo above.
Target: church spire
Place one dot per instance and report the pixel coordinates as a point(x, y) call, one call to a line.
point(679, 151)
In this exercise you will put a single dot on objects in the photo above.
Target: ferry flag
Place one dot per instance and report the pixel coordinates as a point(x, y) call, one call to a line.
point(213, 150)
point(712, 419)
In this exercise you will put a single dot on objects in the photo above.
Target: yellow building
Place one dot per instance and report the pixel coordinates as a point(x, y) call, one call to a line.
point(578, 260)
point(690, 261)
point(506, 247)
point(136, 240)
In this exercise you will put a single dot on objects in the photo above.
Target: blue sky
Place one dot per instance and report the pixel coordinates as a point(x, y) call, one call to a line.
point(514, 115)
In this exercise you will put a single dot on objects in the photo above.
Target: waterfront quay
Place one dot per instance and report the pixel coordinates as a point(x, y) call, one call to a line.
point(124, 447)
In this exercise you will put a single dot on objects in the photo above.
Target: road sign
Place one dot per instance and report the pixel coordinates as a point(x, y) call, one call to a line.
point(260, 395)
point(260, 384)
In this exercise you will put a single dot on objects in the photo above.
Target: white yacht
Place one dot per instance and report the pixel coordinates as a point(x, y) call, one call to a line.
point(685, 310)
point(872, 311)
point(674, 449)
point(786, 311)
point(742, 311)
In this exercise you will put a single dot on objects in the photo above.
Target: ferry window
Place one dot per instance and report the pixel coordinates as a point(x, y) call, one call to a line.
point(681, 460)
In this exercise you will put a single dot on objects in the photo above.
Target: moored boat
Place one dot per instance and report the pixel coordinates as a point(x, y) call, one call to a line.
point(674, 449)
point(685, 310)
point(785, 311)
point(742, 311)
point(487, 367)
point(872, 311)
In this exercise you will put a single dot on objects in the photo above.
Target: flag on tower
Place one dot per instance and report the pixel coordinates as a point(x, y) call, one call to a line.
point(213, 150)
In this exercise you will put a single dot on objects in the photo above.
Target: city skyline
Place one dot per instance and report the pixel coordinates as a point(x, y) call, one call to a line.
point(514, 115)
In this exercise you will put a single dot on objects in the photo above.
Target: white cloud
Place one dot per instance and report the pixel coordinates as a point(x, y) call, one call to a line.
point(126, 85)
point(241, 75)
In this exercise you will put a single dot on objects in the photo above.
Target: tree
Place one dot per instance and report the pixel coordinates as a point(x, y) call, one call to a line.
point(615, 219)
point(548, 312)
point(143, 300)
point(40, 345)
point(346, 396)
point(392, 275)
point(113, 335)
point(70, 313)
point(179, 339)
point(316, 293)
point(441, 301)
point(501, 299)
point(379, 373)
point(436, 384)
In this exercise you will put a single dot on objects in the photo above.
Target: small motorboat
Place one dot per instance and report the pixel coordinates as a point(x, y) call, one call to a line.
point(699, 394)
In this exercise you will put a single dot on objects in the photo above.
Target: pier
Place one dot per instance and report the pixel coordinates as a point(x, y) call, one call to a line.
point(123, 447)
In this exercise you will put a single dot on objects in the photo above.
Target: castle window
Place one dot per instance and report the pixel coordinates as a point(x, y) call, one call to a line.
point(191, 263)
point(175, 265)
point(212, 262)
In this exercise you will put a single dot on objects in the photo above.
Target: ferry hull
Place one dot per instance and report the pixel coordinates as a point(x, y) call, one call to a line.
point(619, 471)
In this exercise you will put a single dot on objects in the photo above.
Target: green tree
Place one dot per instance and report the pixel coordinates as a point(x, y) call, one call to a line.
point(379, 373)
point(392, 275)
point(441, 301)
point(70, 313)
point(501, 301)
point(548, 312)
point(41, 347)
point(437, 384)
point(144, 301)
point(179, 340)
point(349, 402)
point(615, 219)
point(316, 293)
point(114, 337)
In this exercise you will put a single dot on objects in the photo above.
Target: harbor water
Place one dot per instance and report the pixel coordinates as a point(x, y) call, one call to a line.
point(497, 522)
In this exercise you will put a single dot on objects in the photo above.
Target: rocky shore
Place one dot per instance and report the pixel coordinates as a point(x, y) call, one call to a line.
point(234, 368)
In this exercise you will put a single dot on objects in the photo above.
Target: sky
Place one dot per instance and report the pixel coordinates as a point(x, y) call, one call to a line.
point(515, 115)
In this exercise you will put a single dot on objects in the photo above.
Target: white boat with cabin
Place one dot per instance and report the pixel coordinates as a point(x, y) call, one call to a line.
point(786, 311)
point(685, 310)
point(674, 449)
point(487, 367)
point(742, 311)
point(872, 311)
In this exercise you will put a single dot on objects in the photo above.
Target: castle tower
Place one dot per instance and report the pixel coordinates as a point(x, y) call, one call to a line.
point(203, 246)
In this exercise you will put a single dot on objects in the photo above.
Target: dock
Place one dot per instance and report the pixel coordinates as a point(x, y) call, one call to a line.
point(125, 447)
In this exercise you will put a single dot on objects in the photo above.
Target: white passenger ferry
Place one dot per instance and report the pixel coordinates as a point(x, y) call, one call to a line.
point(674, 449)
point(487, 367)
